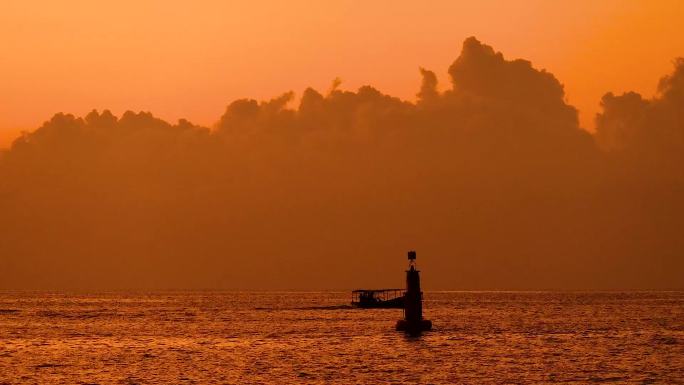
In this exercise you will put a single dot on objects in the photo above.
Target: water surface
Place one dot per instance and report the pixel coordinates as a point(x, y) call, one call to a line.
point(294, 338)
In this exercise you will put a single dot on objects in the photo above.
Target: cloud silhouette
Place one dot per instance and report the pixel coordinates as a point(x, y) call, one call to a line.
point(633, 125)
point(492, 180)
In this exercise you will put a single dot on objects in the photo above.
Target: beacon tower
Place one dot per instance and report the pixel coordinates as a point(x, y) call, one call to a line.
point(413, 321)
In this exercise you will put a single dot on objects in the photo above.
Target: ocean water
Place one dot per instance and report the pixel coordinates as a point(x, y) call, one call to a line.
point(316, 338)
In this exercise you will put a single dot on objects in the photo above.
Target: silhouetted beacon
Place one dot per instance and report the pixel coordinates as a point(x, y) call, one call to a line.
point(413, 321)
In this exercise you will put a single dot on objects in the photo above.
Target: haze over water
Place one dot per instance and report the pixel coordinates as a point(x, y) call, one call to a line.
point(315, 338)
point(490, 176)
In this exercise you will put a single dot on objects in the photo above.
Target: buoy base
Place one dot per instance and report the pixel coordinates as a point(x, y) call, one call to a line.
point(414, 327)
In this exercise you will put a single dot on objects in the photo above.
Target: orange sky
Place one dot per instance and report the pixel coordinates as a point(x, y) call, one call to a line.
point(182, 59)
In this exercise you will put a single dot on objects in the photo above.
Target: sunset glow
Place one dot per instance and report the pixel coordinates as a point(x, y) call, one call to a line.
point(341, 192)
point(189, 60)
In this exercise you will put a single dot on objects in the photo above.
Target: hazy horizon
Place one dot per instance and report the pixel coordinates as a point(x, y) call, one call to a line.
point(490, 177)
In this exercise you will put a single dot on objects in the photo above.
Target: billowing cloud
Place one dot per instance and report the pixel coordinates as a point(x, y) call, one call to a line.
point(636, 127)
point(492, 181)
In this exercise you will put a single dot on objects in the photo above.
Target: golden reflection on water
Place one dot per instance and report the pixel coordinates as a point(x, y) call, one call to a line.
point(276, 338)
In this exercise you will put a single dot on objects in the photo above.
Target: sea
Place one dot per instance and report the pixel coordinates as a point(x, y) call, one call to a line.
point(318, 338)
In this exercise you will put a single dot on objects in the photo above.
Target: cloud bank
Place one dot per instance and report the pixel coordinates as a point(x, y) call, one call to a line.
point(492, 181)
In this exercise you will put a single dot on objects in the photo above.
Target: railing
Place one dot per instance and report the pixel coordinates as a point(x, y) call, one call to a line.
point(376, 295)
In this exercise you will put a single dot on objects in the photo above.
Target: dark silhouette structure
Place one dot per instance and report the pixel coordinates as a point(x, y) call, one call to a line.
point(413, 322)
point(380, 298)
